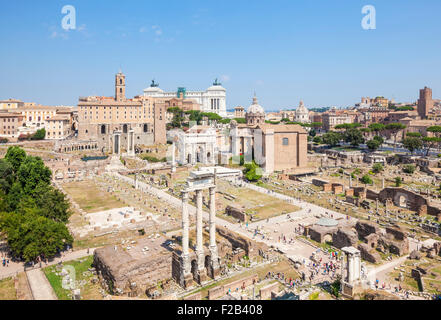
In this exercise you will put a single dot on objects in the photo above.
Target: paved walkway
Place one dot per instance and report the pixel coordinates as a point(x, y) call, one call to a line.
point(381, 272)
point(40, 286)
point(17, 267)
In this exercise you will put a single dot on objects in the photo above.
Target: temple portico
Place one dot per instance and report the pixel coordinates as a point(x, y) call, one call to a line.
point(200, 267)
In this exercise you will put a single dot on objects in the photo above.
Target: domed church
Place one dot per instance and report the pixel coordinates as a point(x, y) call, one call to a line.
point(274, 147)
point(302, 114)
point(255, 113)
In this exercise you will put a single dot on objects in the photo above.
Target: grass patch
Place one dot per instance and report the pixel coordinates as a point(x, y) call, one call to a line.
point(89, 291)
point(314, 296)
point(90, 198)
point(7, 289)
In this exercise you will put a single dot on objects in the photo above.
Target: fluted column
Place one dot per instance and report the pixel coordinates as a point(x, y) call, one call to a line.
point(212, 223)
point(199, 239)
point(173, 158)
point(185, 229)
point(212, 217)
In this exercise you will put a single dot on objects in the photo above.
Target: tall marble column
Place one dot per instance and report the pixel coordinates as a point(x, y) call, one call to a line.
point(199, 239)
point(173, 169)
point(350, 268)
point(131, 143)
point(213, 247)
point(185, 237)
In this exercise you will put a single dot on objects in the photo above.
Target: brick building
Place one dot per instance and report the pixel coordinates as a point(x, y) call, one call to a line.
point(9, 124)
point(265, 143)
point(425, 103)
point(59, 127)
point(100, 117)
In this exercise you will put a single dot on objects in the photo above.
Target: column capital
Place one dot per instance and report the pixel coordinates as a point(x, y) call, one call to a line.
point(184, 196)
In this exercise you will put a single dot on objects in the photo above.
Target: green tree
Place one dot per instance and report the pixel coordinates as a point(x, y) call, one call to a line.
point(354, 137)
point(240, 120)
point(366, 179)
point(377, 127)
point(405, 108)
point(15, 155)
point(317, 140)
point(398, 182)
point(395, 128)
point(373, 144)
point(49, 202)
point(347, 126)
point(30, 235)
point(332, 138)
point(31, 173)
point(212, 116)
point(34, 213)
point(6, 175)
point(436, 130)
point(409, 168)
point(252, 172)
point(377, 168)
point(316, 125)
point(39, 135)
point(412, 144)
point(379, 139)
point(429, 143)
point(414, 134)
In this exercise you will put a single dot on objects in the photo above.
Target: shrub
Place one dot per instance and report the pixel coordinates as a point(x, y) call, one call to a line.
point(377, 168)
point(252, 172)
point(409, 168)
point(366, 179)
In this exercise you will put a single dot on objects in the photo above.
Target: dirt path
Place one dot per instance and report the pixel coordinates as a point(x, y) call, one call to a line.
point(40, 286)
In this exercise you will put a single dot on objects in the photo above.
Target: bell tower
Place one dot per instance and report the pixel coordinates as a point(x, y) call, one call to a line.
point(120, 87)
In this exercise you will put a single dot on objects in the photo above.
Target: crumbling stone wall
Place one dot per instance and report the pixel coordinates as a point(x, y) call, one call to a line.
point(414, 201)
point(236, 213)
point(265, 292)
point(365, 228)
point(238, 241)
point(318, 233)
point(369, 254)
point(220, 291)
point(344, 238)
point(119, 270)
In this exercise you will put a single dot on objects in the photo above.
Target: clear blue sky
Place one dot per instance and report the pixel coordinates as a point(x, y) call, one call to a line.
point(285, 50)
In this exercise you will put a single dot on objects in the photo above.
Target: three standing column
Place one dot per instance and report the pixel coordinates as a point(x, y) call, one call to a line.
point(201, 272)
point(185, 238)
point(214, 272)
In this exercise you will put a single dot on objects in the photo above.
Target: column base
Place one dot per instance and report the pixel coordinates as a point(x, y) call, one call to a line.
point(214, 273)
point(201, 276)
point(187, 281)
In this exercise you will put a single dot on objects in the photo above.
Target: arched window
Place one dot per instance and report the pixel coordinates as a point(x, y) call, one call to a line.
point(145, 128)
point(285, 141)
point(103, 129)
point(125, 128)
